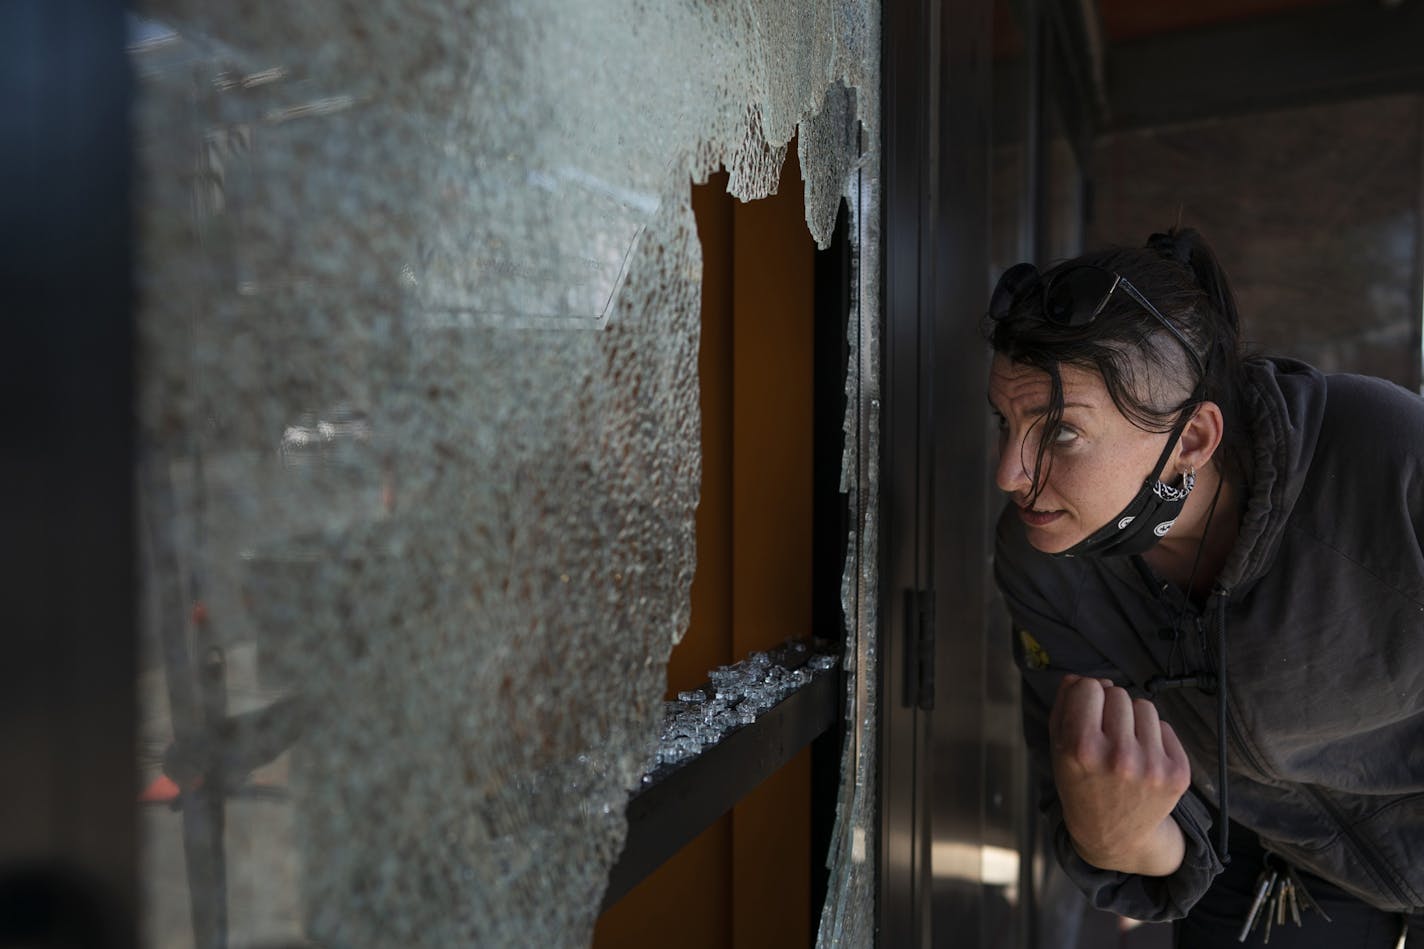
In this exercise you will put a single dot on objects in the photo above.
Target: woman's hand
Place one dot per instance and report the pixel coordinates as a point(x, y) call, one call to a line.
point(1119, 772)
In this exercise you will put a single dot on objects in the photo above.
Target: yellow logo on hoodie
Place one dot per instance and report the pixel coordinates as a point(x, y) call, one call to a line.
point(1035, 656)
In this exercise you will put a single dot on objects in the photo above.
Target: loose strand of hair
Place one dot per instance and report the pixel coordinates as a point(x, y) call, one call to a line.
point(1052, 423)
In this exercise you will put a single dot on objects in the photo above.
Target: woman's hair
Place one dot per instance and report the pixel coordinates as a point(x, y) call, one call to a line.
point(1153, 382)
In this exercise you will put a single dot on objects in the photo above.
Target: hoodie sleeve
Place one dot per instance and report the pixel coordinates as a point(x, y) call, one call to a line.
point(1154, 899)
point(1046, 648)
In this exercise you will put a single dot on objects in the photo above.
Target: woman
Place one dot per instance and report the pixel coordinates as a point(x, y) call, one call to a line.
point(1215, 568)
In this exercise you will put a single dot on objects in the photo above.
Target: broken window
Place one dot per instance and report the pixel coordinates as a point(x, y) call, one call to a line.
point(419, 442)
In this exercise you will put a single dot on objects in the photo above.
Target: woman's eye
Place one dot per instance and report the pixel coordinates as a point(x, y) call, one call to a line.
point(1065, 435)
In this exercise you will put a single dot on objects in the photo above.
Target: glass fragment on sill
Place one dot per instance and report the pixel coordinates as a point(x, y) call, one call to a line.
point(739, 693)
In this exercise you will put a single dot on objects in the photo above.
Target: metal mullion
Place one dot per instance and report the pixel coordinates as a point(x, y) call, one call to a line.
point(956, 438)
point(901, 863)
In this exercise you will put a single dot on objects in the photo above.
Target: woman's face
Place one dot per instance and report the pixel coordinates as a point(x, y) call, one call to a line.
point(1095, 465)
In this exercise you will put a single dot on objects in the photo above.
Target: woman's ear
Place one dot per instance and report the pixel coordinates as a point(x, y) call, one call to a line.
point(1201, 437)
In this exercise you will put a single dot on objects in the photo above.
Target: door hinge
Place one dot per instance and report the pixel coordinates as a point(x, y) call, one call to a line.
point(919, 649)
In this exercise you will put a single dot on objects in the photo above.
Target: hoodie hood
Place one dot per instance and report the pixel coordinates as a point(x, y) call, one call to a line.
point(1284, 406)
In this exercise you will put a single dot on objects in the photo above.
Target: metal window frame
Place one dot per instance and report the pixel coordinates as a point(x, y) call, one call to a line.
point(937, 77)
point(68, 713)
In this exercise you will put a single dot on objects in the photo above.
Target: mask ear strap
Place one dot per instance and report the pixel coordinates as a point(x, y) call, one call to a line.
point(1167, 450)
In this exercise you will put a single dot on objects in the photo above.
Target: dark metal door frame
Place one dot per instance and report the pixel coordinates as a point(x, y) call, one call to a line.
point(936, 70)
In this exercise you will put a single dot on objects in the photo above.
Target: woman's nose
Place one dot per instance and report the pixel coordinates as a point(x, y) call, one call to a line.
point(1009, 474)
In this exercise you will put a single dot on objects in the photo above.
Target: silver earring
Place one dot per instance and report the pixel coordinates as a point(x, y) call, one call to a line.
point(1168, 493)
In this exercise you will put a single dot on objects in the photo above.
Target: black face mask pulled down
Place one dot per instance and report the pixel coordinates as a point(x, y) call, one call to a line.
point(1146, 519)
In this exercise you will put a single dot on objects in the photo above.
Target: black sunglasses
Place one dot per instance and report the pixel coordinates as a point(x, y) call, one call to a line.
point(1074, 297)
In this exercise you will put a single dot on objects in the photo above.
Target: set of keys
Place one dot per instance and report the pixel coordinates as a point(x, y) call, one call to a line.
point(1280, 895)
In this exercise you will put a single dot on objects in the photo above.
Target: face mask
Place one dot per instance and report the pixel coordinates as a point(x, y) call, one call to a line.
point(1146, 519)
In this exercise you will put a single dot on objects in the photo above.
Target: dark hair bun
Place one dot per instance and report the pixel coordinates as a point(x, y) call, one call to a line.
point(1172, 245)
point(1186, 247)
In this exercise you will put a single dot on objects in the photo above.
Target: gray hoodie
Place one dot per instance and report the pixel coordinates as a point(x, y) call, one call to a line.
point(1324, 630)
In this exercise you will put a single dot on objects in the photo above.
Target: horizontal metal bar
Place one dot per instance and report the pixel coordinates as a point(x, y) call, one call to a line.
point(1341, 51)
point(683, 800)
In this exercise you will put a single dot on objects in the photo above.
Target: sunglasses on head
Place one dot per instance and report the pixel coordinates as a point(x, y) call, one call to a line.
point(1074, 296)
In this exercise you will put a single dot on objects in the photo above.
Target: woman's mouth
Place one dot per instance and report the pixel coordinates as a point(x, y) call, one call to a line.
point(1035, 518)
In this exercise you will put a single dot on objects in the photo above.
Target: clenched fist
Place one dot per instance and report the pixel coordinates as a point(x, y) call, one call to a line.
point(1119, 771)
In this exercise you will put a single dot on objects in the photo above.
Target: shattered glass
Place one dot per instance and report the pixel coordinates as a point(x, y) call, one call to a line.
point(734, 697)
point(419, 442)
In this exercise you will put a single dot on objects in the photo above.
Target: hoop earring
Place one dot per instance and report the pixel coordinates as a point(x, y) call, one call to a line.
point(1168, 493)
